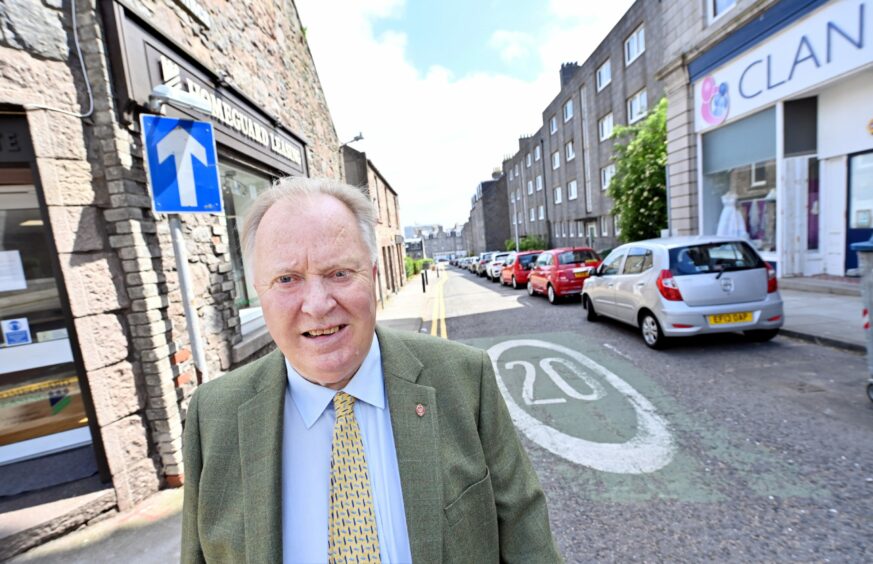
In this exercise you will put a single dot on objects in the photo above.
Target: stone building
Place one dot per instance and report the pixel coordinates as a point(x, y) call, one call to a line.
point(440, 243)
point(414, 248)
point(361, 172)
point(557, 180)
point(770, 117)
point(489, 216)
point(96, 365)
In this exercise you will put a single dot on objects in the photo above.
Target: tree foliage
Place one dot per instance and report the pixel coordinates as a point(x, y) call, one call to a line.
point(639, 187)
point(527, 243)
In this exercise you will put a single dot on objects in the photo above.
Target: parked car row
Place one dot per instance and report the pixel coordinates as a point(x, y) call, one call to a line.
point(668, 287)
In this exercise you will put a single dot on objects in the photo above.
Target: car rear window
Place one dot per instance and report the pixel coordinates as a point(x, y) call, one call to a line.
point(527, 259)
point(575, 257)
point(713, 257)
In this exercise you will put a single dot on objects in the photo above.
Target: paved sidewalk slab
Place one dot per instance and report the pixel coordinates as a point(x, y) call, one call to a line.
point(830, 319)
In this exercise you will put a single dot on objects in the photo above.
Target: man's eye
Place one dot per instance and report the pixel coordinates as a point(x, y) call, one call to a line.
point(341, 274)
point(285, 279)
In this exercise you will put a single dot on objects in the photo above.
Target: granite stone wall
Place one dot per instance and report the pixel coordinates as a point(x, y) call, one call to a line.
point(117, 260)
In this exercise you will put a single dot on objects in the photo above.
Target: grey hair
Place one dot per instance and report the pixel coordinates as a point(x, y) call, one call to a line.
point(296, 188)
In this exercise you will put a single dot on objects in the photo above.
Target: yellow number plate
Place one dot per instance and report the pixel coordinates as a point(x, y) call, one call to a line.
point(581, 274)
point(724, 318)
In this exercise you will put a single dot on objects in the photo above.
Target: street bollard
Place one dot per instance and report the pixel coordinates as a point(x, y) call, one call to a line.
point(865, 264)
point(423, 283)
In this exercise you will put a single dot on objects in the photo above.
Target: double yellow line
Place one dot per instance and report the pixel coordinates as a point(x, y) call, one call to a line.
point(438, 319)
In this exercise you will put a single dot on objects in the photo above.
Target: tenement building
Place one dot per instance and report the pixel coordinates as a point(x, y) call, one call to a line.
point(770, 120)
point(557, 181)
point(489, 217)
point(95, 361)
point(440, 243)
point(361, 172)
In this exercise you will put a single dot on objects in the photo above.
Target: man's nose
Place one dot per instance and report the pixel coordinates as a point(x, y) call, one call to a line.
point(317, 298)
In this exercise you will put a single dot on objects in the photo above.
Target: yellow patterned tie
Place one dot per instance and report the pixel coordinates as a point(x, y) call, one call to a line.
point(353, 536)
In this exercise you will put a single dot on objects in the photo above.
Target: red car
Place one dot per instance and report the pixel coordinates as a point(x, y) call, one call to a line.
point(562, 272)
point(517, 269)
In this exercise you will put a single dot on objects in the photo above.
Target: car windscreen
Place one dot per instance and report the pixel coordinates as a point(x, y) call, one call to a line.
point(526, 260)
point(713, 257)
point(576, 257)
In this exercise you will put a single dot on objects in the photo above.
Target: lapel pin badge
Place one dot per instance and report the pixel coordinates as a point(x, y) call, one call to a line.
point(419, 410)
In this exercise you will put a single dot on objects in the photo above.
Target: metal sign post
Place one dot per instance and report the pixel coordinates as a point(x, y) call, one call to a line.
point(182, 172)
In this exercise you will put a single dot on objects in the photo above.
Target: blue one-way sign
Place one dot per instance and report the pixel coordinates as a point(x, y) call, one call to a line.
point(181, 165)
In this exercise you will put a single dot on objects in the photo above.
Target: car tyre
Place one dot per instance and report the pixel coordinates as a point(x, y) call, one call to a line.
point(651, 332)
point(514, 284)
point(553, 297)
point(761, 335)
point(591, 315)
point(530, 288)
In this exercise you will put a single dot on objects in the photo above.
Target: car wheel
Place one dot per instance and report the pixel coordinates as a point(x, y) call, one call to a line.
point(553, 297)
point(530, 289)
point(591, 315)
point(761, 335)
point(495, 278)
point(651, 332)
point(514, 284)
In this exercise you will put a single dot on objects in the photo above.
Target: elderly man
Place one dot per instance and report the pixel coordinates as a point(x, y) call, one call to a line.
point(350, 442)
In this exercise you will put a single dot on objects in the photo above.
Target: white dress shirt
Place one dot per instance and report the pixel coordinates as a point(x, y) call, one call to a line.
point(306, 447)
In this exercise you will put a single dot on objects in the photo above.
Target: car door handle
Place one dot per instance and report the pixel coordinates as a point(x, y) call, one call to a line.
point(639, 284)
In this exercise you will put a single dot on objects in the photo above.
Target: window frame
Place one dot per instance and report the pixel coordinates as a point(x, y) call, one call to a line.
point(600, 127)
point(630, 101)
point(604, 182)
point(538, 153)
point(568, 110)
point(711, 16)
point(530, 186)
point(553, 124)
point(558, 195)
point(527, 160)
point(556, 160)
point(599, 84)
point(533, 214)
point(569, 151)
point(539, 183)
point(604, 226)
point(636, 34)
point(542, 213)
point(574, 193)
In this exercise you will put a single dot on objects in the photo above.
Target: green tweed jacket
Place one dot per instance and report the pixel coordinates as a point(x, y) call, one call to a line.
point(469, 490)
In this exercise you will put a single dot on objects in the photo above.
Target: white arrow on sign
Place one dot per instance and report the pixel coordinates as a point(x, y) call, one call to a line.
point(183, 147)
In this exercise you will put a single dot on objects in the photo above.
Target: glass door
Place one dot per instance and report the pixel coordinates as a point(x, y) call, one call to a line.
point(860, 220)
point(41, 406)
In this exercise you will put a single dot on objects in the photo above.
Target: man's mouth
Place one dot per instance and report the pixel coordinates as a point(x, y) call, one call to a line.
point(325, 332)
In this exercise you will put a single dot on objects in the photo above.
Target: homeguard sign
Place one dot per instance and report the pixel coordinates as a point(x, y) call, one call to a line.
point(181, 165)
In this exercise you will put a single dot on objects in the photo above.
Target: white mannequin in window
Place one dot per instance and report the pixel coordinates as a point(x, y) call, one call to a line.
point(731, 222)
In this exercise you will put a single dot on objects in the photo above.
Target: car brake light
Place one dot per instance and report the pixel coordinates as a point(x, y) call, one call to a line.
point(668, 287)
point(772, 284)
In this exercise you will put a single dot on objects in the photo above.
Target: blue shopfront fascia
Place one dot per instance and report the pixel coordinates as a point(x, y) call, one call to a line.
point(828, 43)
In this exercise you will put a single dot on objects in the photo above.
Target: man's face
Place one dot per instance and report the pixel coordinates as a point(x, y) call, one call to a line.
point(316, 282)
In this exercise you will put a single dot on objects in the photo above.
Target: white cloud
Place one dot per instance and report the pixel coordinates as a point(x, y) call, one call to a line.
point(512, 46)
point(433, 135)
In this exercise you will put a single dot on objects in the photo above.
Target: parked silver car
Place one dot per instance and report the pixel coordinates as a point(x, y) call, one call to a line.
point(496, 265)
point(682, 286)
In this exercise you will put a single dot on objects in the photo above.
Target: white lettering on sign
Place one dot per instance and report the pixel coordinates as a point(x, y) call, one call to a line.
point(831, 42)
point(651, 449)
point(242, 123)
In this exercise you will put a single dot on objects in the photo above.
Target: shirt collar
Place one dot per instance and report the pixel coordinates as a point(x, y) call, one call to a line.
point(366, 385)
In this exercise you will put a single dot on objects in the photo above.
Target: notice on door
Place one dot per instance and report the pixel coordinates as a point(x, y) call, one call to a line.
point(11, 272)
point(16, 331)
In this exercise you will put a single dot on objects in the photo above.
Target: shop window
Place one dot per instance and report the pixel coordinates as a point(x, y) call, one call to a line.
point(240, 187)
point(739, 180)
point(41, 406)
point(861, 191)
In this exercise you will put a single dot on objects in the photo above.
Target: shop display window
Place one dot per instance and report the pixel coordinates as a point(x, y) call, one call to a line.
point(861, 194)
point(241, 187)
point(40, 396)
point(739, 181)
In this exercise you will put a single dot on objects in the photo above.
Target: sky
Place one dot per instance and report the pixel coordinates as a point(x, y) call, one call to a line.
point(442, 90)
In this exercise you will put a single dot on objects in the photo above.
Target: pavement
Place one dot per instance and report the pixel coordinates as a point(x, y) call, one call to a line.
point(829, 319)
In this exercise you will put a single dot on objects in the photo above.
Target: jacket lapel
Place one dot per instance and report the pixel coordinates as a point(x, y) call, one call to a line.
point(260, 422)
point(416, 439)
